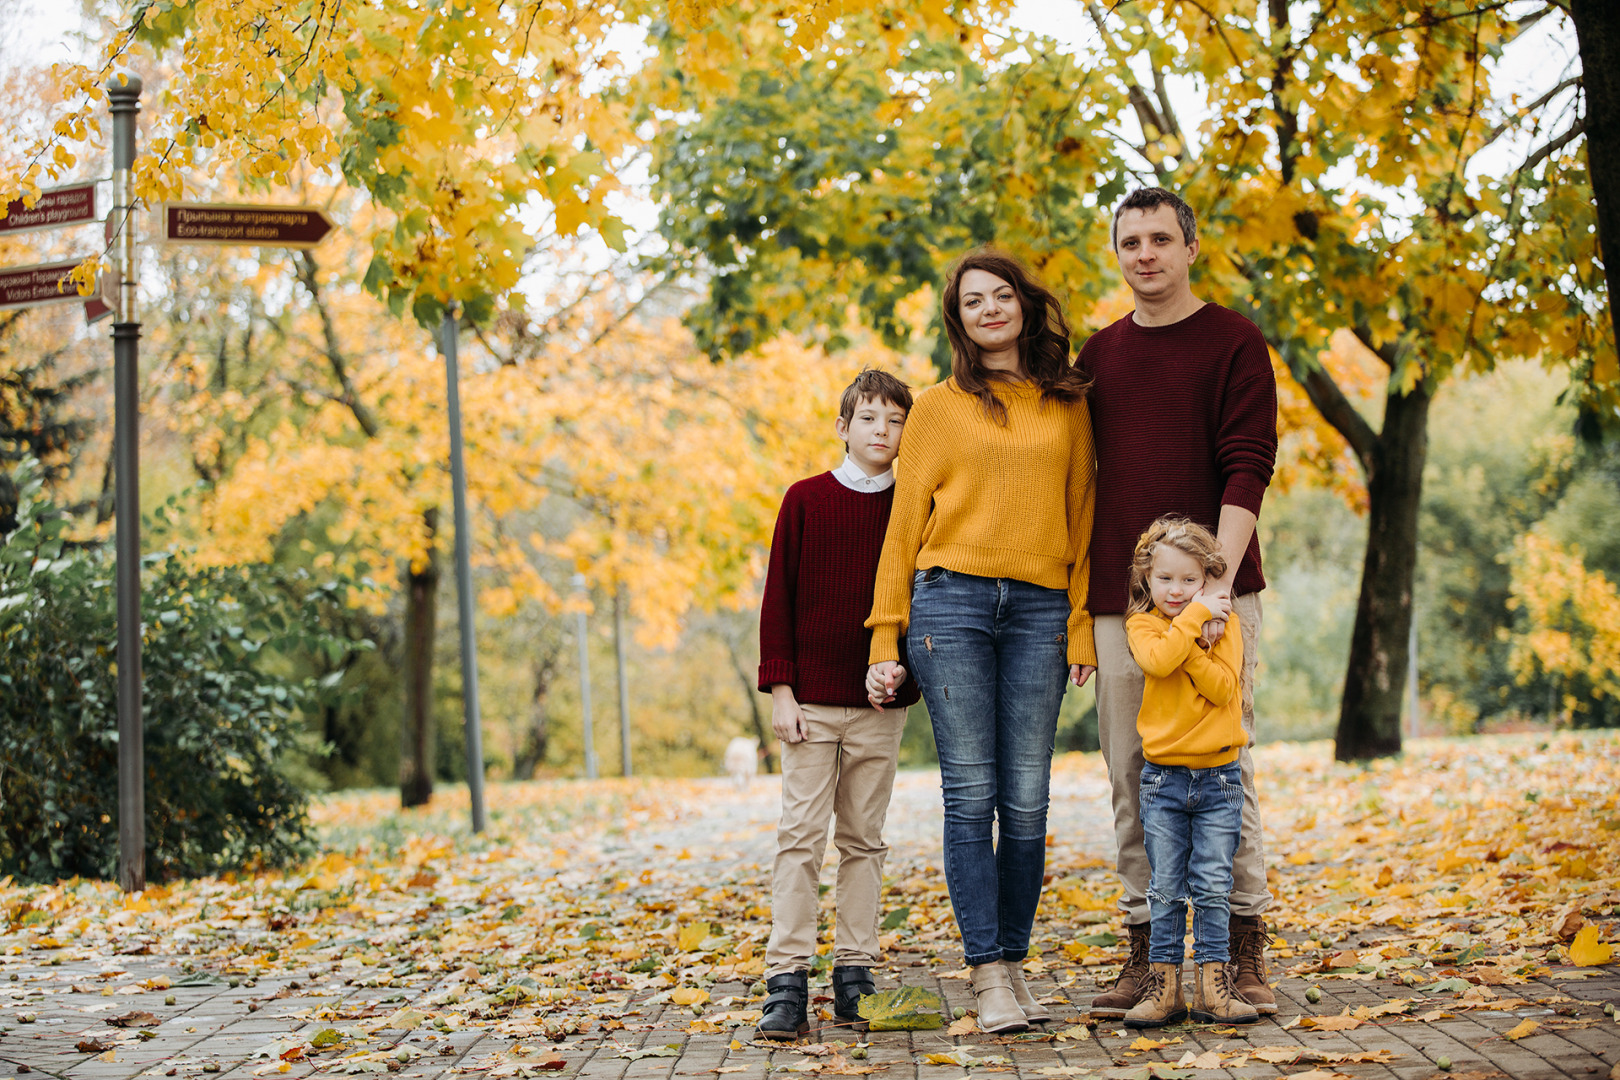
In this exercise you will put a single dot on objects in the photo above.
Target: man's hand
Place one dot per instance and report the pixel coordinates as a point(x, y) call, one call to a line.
point(1079, 673)
point(787, 717)
point(1217, 600)
point(882, 680)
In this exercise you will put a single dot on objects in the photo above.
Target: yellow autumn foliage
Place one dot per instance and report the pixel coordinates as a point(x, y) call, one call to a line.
point(1571, 619)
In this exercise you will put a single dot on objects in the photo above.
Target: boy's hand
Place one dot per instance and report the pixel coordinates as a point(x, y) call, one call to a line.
point(882, 680)
point(1079, 673)
point(787, 717)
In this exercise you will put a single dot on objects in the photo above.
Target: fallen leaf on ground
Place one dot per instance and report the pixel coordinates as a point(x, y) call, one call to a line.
point(136, 1019)
point(1587, 951)
point(1521, 1029)
point(965, 1026)
point(907, 1008)
point(1330, 1023)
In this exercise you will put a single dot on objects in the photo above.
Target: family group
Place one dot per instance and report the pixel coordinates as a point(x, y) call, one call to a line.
point(1035, 520)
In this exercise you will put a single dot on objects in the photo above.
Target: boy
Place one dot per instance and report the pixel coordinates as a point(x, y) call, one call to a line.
point(838, 753)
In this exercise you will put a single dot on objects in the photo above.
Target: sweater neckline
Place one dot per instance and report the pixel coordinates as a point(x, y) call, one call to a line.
point(1169, 328)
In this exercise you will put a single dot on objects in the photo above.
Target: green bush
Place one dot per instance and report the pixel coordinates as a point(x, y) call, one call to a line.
point(219, 711)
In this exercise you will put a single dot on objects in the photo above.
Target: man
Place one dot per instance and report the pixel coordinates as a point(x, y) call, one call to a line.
point(1184, 411)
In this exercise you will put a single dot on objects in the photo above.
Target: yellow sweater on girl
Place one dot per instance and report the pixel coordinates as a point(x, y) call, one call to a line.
point(979, 498)
point(1192, 706)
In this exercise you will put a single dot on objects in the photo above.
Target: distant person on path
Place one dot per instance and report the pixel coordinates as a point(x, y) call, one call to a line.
point(984, 572)
point(1191, 723)
point(1184, 405)
point(838, 750)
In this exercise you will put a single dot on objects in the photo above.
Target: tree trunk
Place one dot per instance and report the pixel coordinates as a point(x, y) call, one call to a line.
point(537, 738)
point(418, 733)
point(1374, 683)
point(1597, 30)
point(762, 730)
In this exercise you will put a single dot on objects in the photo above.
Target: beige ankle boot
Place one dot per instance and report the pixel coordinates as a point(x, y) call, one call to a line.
point(1162, 1003)
point(998, 1008)
point(1033, 1010)
point(1215, 1001)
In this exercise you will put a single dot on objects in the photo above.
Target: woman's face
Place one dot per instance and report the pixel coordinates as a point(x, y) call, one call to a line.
point(990, 311)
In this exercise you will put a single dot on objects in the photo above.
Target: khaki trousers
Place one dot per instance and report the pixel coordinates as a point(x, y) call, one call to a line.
point(1119, 699)
point(845, 768)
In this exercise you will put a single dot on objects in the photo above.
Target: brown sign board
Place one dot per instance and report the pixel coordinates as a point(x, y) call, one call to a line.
point(229, 223)
point(73, 204)
point(42, 283)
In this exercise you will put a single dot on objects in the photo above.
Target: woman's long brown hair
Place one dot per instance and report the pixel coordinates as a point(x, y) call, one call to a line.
point(1043, 346)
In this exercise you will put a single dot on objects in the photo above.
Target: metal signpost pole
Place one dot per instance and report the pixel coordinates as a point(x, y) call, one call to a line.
point(624, 680)
point(464, 588)
point(582, 629)
point(125, 95)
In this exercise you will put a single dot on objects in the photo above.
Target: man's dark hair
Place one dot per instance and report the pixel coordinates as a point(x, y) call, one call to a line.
point(874, 385)
point(1146, 199)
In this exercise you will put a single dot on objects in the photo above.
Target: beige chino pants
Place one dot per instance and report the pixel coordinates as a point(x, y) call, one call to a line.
point(1119, 699)
point(845, 768)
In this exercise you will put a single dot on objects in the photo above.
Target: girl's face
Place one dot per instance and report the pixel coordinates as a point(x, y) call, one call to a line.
point(990, 311)
point(1174, 579)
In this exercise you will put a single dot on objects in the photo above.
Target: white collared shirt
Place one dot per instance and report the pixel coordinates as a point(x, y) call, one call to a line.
point(854, 477)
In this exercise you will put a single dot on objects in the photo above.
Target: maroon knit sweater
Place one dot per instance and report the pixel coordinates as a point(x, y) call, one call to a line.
point(818, 592)
point(1185, 421)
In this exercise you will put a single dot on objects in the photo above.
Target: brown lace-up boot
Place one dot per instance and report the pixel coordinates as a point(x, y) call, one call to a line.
point(1214, 1000)
point(1249, 937)
point(1162, 1002)
point(1127, 991)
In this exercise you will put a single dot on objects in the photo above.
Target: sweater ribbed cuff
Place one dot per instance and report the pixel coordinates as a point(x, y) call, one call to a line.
point(1245, 490)
point(885, 643)
point(772, 672)
point(1082, 641)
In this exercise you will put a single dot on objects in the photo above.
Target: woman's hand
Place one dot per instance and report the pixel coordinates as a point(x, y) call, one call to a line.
point(882, 680)
point(1079, 673)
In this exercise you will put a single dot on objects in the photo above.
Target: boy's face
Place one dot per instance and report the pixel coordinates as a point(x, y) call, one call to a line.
point(873, 434)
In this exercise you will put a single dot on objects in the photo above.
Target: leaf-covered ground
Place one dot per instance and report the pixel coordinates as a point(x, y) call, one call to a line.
point(1463, 876)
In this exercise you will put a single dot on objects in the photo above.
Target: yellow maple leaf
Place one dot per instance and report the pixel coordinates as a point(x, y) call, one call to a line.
point(1587, 951)
point(1525, 1027)
point(690, 936)
point(689, 995)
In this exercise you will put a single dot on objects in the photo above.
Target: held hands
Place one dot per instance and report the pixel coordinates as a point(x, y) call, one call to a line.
point(1079, 673)
point(787, 717)
point(882, 681)
point(1219, 601)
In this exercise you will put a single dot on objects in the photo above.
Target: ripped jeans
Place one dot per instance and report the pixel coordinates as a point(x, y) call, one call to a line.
point(1192, 820)
point(991, 657)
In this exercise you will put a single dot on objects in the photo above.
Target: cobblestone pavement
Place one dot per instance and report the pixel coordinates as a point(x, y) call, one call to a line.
point(212, 1027)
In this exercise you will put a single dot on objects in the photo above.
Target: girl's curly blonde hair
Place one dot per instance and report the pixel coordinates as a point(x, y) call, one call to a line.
point(1185, 536)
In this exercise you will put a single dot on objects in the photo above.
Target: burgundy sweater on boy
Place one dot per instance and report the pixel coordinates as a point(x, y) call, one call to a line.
point(818, 593)
point(1185, 421)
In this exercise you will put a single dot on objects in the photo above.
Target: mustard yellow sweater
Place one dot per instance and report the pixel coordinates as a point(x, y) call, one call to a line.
point(979, 498)
point(1192, 707)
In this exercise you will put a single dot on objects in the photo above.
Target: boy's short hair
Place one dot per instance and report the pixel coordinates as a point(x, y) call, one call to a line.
point(1146, 199)
point(874, 385)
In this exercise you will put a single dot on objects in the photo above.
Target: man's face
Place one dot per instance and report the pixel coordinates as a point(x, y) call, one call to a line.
point(1153, 256)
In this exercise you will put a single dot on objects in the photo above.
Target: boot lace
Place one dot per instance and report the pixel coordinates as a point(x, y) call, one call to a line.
point(1136, 966)
point(1250, 953)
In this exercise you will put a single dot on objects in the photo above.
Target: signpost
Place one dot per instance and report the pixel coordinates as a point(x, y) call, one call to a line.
point(42, 283)
point(240, 223)
point(193, 223)
point(71, 204)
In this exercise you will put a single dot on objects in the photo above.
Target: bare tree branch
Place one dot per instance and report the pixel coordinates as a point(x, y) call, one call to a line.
point(1506, 125)
point(1337, 410)
point(307, 275)
point(1575, 131)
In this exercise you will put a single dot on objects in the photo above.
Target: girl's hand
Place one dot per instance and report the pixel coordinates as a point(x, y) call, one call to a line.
point(1079, 673)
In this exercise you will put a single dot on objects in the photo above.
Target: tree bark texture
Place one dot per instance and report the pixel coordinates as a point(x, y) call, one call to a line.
point(417, 732)
point(1375, 680)
point(1597, 30)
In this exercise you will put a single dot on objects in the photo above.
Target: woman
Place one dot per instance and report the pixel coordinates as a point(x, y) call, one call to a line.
point(984, 573)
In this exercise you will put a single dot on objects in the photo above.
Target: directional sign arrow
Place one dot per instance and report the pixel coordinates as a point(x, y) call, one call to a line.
point(42, 283)
point(73, 204)
point(233, 223)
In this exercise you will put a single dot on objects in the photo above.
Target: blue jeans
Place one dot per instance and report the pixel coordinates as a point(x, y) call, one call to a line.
point(991, 657)
point(1192, 819)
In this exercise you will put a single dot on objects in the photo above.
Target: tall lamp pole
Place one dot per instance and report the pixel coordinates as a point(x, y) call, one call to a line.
point(471, 723)
point(125, 94)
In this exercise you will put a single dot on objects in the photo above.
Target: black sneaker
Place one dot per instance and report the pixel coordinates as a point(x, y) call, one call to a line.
point(784, 1015)
point(850, 984)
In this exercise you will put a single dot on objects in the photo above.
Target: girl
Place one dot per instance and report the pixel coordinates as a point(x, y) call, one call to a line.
point(984, 571)
point(1192, 786)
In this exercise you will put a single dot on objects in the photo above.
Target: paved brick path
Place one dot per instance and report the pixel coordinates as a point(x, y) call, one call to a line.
point(213, 1028)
